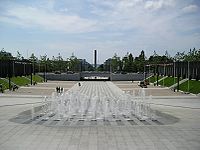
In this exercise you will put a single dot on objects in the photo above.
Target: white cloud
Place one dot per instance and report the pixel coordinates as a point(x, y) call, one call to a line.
point(158, 4)
point(48, 20)
point(132, 14)
point(124, 4)
point(64, 10)
point(118, 25)
point(117, 15)
point(190, 9)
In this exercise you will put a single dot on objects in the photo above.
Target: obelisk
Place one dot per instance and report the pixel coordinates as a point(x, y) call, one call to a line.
point(95, 59)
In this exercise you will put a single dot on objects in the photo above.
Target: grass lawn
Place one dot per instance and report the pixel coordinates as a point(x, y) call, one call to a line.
point(36, 78)
point(169, 81)
point(21, 81)
point(194, 86)
point(5, 84)
point(154, 78)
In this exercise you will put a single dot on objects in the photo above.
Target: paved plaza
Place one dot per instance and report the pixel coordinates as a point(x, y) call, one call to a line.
point(178, 126)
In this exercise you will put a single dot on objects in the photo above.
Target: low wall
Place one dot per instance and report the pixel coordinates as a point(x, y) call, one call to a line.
point(62, 77)
point(78, 76)
point(99, 74)
point(127, 77)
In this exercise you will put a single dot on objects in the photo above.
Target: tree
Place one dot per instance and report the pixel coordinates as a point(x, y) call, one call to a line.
point(60, 63)
point(128, 63)
point(43, 61)
point(142, 56)
point(5, 55)
point(125, 63)
point(140, 61)
point(34, 61)
point(19, 56)
point(180, 56)
point(193, 55)
point(154, 53)
point(115, 63)
point(33, 58)
point(100, 68)
point(43, 58)
point(107, 64)
point(130, 67)
point(157, 59)
point(167, 55)
point(74, 63)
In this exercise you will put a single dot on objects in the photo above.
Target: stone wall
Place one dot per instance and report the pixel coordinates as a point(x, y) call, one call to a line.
point(62, 77)
point(127, 77)
point(77, 76)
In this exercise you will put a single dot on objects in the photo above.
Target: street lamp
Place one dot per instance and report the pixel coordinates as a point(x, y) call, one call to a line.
point(174, 70)
point(157, 74)
point(164, 75)
point(144, 70)
point(188, 76)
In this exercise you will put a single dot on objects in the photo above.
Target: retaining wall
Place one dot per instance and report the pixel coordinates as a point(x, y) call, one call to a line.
point(77, 76)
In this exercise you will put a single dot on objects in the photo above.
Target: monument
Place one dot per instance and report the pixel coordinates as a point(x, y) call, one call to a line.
point(95, 59)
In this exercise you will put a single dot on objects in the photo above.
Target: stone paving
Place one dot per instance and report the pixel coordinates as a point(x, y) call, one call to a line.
point(45, 88)
point(183, 134)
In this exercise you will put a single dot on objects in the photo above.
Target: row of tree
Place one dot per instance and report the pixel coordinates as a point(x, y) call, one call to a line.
point(55, 64)
point(128, 63)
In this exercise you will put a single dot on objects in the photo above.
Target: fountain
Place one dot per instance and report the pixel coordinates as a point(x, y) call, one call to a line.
point(97, 101)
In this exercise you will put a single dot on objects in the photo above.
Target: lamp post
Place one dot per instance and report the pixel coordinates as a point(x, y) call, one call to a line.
point(45, 67)
point(31, 74)
point(174, 71)
point(149, 73)
point(24, 68)
point(154, 74)
point(144, 71)
point(13, 66)
point(110, 67)
point(39, 67)
point(9, 73)
point(178, 75)
point(164, 74)
point(188, 76)
point(157, 74)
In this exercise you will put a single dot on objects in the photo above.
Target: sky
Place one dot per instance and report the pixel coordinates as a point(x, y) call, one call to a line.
point(110, 26)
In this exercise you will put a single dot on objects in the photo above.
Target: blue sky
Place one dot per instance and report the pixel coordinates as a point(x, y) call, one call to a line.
point(110, 26)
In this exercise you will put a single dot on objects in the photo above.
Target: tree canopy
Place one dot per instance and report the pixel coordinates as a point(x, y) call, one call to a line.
point(127, 63)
